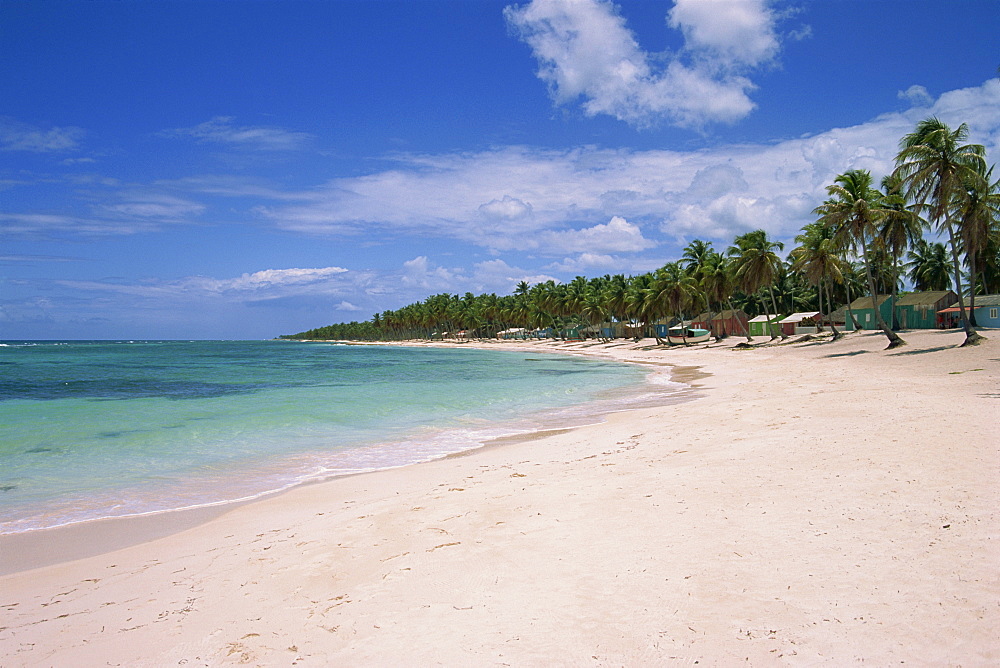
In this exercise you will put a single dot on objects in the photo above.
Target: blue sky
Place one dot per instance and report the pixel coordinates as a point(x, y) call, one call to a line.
point(248, 169)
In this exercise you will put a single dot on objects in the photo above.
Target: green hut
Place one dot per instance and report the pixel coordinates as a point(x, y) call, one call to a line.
point(765, 325)
point(863, 311)
point(918, 310)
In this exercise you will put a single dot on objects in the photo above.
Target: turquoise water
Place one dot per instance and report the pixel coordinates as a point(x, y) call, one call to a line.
point(103, 429)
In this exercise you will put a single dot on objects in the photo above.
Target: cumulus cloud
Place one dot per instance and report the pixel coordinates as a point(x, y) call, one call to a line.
point(508, 208)
point(498, 276)
point(347, 306)
point(617, 235)
point(587, 262)
point(221, 130)
point(421, 273)
point(17, 136)
point(727, 32)
point(916, 95)
point(585, 50)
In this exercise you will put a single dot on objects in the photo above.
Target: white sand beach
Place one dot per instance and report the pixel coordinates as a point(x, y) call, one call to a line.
point(817, 503)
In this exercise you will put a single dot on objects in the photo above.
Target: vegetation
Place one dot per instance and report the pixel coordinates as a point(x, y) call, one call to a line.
point(856, 246)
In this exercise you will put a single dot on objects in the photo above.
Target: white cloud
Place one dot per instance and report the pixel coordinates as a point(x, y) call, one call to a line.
point(585, 50)
point(43, 224)
point(154, 206)
point(558, 203)
point(265, 283)
point(616, 235)
point(731, 32)
point(347, 306)
point(17, 136)
point(916, 95)
point(508, 208)
point(273, 278)
point(587, 262)
point(421, 273)
point(221, 130)
point(498, 276)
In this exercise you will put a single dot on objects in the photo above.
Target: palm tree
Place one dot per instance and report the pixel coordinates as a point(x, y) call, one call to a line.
point(928, 263)
point(673, 291)
point(989, 275)
point(935, 169)
point(757, 265)
point(897, 231)
point(979, 223)
point(717, 283)
point(818, 259)
point(695, 255)
point(636, 307)
point(853, 211)
point(615, 297)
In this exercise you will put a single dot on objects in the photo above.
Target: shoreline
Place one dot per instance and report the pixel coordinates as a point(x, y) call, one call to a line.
point(52, 545)
point(804, 509)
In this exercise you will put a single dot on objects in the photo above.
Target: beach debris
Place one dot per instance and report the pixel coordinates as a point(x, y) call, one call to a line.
point(444, 545)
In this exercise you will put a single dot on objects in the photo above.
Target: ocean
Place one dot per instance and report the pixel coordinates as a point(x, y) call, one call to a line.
point(95, 429)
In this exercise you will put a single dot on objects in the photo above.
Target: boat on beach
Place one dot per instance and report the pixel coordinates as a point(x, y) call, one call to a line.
point(687, 335)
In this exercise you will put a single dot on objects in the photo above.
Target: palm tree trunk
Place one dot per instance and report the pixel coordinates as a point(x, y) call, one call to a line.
point(972, 337)
point(850, 311)
point(775, 305)
point(819, 294)
point(894, 340)
point(972, 289)
point(829, 302)
point(895, 295)
point(746, 329)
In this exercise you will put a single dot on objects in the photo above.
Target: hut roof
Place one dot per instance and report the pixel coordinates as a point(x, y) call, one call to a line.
point(839, 316)
point(721, 315)
point(987, 300)
point(866, 302)
point(799, 317)
point(765, 318)
point(927, 298)
point(982, 301)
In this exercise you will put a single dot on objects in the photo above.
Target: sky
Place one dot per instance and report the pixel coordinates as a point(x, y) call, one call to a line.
point(241, 170)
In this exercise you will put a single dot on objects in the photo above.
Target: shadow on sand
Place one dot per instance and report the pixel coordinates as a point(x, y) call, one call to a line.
point(850, 354)
point(921, 351)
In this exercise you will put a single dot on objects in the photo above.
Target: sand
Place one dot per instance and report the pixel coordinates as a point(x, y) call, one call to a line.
point(827, 503)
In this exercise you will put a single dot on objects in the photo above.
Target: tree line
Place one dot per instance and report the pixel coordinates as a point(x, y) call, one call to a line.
point(866, 239)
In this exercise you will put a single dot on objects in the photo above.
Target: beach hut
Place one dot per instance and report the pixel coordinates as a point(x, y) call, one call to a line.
point(764, 325)
point(863, 311)
point(661, 326)
point(838, 318)
point(633, 330)
point(621, 330)
point(987, 313)
point(572, 333)
point(988, 310)
point(725, 323)
point(512, 333)
point(801, 323)
point(919, 310)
